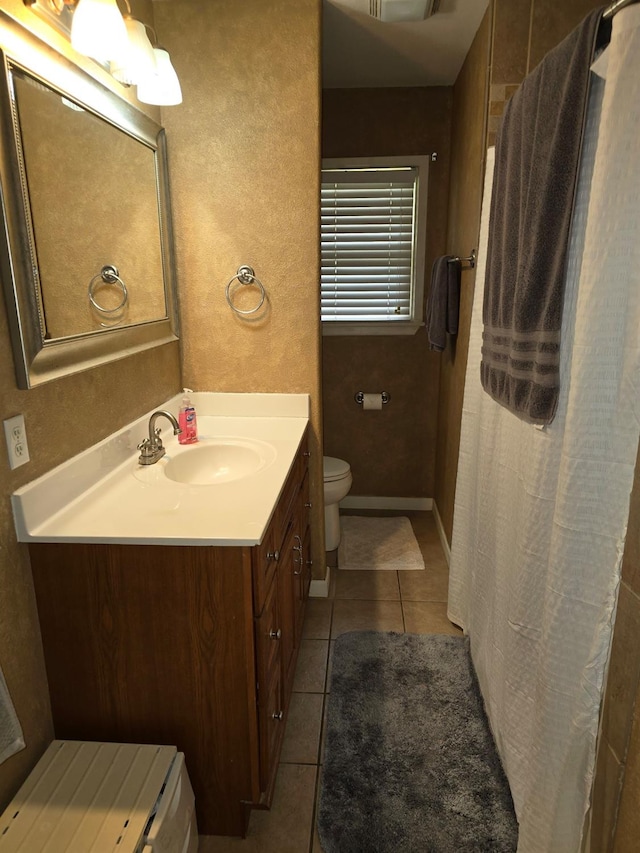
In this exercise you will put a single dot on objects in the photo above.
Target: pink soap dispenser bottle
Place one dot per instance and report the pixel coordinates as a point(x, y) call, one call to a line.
point(187, 420)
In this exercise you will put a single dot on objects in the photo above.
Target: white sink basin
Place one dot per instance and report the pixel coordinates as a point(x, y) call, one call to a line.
point(219, 460)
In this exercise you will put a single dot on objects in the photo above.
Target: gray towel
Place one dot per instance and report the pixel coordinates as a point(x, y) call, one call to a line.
point(537, 158)
point(443, 305)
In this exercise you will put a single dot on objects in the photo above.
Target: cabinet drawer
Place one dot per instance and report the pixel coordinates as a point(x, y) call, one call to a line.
point(268, 640)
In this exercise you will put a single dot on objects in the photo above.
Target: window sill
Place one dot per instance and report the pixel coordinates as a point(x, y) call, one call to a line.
point(331, 329)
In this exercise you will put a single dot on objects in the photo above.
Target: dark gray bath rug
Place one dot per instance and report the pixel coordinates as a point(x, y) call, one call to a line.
point(410, 765)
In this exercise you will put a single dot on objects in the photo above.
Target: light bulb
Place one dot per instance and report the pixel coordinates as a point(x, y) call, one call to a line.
point(98, 30)
point(163, 87)
point(140, 61)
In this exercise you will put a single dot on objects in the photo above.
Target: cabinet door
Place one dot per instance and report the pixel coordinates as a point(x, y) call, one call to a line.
point(271, 716)
point(286, 602)
point(302, 559)
point(264, 559)
point(302, 578)
point(269, 636)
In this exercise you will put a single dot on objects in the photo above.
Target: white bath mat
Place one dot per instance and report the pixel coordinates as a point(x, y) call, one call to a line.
point(381, 544)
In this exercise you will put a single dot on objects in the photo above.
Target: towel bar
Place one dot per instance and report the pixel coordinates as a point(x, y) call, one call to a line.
point(471, 260)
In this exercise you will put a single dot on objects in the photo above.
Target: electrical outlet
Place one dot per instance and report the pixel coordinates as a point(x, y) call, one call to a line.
point(16, 437)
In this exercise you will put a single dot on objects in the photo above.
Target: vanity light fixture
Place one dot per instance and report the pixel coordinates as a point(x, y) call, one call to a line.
point(99, 30)
point(163, 87)
point(140, 60)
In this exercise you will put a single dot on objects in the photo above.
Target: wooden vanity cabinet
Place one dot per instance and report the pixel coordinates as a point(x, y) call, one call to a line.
point(192, 646)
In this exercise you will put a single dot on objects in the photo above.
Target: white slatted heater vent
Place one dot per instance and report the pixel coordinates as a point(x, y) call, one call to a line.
point(391, 11)
point(86, 797)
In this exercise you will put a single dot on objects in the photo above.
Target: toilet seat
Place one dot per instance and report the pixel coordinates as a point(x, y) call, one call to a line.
point(334, 469)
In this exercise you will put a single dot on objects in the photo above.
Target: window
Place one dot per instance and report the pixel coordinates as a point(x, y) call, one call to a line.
point(372, 255)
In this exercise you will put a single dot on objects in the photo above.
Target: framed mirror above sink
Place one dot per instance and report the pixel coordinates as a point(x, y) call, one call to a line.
point(86, 250)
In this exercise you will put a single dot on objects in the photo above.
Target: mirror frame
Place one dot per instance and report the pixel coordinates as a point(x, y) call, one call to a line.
point(38, 360)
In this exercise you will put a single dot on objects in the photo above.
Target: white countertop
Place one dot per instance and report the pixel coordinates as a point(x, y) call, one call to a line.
point(103, 495)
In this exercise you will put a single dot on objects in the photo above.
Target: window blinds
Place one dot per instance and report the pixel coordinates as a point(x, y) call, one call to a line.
point(367, 244)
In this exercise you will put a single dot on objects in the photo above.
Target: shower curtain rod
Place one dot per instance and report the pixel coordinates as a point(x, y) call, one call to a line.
point(611, 10)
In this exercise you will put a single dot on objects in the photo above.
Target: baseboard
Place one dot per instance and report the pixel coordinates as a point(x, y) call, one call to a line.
point(374, 502)
point(442, 534)
point(320, 589)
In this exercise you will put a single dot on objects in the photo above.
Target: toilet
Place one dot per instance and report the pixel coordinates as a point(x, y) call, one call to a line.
point(337, 482)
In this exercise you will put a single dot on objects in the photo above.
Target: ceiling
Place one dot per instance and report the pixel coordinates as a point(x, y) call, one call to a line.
point(360, 51)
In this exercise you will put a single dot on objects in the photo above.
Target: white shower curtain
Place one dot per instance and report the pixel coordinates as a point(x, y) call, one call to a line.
point(540, 516)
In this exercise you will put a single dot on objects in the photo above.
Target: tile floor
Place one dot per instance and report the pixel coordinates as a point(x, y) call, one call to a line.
point(413, 601)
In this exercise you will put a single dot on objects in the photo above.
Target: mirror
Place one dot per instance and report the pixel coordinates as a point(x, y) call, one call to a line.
point(87, 260)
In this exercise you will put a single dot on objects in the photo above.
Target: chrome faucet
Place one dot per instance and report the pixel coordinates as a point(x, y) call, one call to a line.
point(151, 449)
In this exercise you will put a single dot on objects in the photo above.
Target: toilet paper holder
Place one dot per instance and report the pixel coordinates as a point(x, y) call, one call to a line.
point(359, 397)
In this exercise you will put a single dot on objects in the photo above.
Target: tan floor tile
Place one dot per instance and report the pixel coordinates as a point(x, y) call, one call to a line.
point(332, 582)
point(369, 585)
point(427, 617)
point(428, 538)
point(430, 585)
point(317, 619)
point(424, 525)
point(352, 615)
point(304, 723)
point(286, 827)
point(311, 669)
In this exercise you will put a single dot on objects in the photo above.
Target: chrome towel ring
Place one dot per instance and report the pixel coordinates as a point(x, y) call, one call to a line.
point(245, 275)
point(107, 275)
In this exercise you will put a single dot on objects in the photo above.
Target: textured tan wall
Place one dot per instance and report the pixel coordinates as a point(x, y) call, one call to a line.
point(244, 156)
point(467, 171)
point(62, 418)
point(392, 452)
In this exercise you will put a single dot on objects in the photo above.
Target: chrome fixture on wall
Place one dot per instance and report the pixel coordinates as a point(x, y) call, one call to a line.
point(245, 275)
point(471, 260)
point(99, 30)
point(108, 275)
point(359, 397)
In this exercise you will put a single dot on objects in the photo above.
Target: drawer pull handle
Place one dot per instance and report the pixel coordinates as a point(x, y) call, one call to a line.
point(273, 555)
point(299, 559)
point(307, 453)
point(275, 635)
point(278, 715)
point(308, 504)
point(309, 562)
